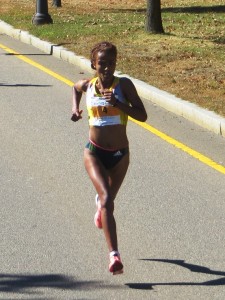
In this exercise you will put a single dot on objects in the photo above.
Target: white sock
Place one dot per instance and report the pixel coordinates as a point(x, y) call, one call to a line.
point(114, 253)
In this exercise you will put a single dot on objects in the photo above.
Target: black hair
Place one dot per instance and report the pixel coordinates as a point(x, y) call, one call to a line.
point(102, 47)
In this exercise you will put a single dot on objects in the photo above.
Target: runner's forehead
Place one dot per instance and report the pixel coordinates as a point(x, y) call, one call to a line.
point(105, 55)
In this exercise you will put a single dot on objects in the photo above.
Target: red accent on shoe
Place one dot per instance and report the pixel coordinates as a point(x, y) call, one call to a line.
point(97, 218)
point(115, 265)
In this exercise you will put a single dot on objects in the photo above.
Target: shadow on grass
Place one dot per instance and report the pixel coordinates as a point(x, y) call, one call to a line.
point(191, 9)
point(220, 40)
point(182, 263)
point(195, 9)
point(29, 284)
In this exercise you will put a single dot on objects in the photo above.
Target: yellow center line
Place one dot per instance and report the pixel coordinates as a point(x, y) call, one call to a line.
point(204, 159)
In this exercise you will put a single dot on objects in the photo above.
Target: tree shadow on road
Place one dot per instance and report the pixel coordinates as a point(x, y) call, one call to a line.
point(191, 267)
point(29, 284)
point(24, 85)
point(37, 54)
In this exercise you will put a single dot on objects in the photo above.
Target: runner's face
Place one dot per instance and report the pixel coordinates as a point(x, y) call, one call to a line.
point(105, 65)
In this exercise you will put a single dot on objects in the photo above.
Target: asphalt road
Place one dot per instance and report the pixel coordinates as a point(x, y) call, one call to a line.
point(170, 209)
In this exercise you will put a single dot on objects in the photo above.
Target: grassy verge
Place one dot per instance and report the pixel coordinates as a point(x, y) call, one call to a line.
point(187, 61)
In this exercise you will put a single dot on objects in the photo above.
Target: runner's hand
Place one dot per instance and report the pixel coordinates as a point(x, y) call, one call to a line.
point(76, 115)
point(109, 96)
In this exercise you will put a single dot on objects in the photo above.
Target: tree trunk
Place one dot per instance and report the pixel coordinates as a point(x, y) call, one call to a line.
point(154, 20)
point(56, 3)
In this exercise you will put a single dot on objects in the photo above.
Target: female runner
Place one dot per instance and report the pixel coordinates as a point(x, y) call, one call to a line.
point(110, 100)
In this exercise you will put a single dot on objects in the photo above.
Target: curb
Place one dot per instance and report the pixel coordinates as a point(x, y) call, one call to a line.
point(190, 111)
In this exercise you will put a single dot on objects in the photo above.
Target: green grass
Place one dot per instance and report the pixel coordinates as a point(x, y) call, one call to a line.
point(188, 60)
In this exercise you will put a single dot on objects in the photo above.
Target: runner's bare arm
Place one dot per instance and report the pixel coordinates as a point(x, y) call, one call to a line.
point(77, 91)
point(136, 109)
